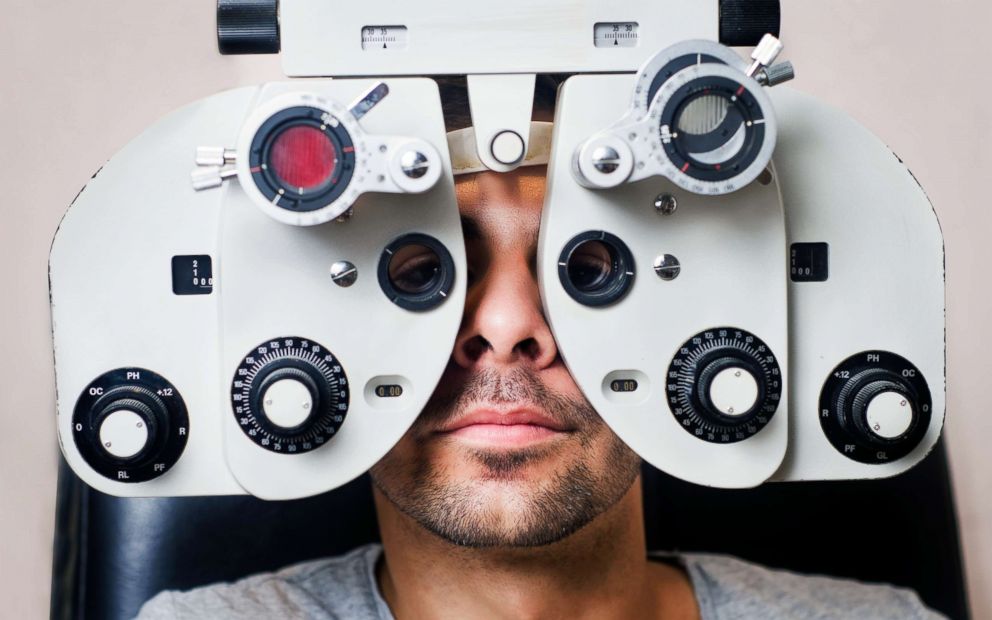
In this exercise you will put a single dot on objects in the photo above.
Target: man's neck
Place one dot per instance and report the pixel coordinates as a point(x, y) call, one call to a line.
point(601, 571)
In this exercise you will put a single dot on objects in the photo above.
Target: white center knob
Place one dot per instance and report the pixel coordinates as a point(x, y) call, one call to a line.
point(734, 391)
point(123, 433)
point(508, 147)
point(287, 403)
point(889, 415)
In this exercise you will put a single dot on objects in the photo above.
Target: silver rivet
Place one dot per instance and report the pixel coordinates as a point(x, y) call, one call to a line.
point(382, 148)
point(605, 159)
point(667, 267)
point(414, 164)
point(344, 273)
point(666, 204)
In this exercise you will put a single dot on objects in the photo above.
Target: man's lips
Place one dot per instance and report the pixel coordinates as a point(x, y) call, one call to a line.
point(504, 428)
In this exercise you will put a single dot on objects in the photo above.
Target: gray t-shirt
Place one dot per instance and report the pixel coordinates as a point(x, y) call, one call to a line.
point(345, 587)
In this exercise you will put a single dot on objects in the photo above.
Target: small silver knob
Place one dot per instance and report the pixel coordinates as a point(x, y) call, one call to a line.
point(344, 273)
point(667, 267)
point(605, 159)
point(414, 164)
point(666, 204)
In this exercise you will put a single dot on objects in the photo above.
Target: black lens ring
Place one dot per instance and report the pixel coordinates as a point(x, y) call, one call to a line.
point(754, 134)
point(617, 284)
point(433, 295)
point(268, 182)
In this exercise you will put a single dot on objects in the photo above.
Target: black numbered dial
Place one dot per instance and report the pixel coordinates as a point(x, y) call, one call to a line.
point(290, 395)
point(875, 407)
point(724, 385)
point(130, 424)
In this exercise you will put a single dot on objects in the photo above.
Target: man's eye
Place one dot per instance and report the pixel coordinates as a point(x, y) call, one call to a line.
point(590, 267)
point(414, 269)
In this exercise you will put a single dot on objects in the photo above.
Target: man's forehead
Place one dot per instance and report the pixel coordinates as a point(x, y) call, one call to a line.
point(504, 208)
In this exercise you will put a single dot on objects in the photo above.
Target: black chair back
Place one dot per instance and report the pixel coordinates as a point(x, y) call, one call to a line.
point(112, 554)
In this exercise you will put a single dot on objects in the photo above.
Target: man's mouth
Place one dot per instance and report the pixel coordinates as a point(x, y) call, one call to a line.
point(501, 428)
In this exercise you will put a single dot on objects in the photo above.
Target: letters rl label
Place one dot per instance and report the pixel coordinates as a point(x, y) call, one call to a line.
point(122, 475)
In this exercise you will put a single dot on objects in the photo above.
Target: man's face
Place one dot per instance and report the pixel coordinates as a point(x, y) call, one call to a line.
point(507, 452)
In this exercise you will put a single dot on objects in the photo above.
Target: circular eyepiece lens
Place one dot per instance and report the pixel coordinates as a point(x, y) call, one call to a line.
point(416, 272)
point(590, 266)
point(712, 130)
point(703, 114)
point(414, 269)
point(303, 157)
point(596, 268)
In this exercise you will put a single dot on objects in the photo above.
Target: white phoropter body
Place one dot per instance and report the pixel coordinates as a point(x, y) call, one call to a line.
point(139, 225)
point(853, 244)
point(884, 291)
point(269, 326)
point(731, 251)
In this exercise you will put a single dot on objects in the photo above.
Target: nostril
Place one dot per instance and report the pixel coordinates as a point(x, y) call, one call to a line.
point(530, 348)
point(474, 347)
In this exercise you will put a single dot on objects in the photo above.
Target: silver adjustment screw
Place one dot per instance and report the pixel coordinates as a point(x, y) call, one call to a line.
point(776, 74)
point(666, 204)
point(414, 164)
point(605, 159)
point(667, 267)
point(344, 273)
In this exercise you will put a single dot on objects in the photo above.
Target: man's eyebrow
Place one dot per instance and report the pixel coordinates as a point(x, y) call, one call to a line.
point(470, 228)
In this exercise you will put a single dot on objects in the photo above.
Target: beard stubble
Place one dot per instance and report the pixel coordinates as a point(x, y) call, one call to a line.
point(596, 470)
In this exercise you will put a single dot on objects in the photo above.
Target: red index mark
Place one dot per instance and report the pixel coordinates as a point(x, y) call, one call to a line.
point(348, 149)
point(685, 167)
point(255, 169)
point(740, 91)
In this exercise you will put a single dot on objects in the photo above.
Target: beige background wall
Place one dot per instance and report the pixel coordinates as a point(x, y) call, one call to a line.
point(79, 79)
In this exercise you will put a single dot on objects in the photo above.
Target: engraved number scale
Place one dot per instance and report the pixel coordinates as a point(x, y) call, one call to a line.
point(290, 395)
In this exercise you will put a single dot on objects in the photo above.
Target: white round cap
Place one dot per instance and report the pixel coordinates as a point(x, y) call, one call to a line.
point(287, 403)
point(123, 433)
point(734, 391)
point(889, 415)
point(508, 147)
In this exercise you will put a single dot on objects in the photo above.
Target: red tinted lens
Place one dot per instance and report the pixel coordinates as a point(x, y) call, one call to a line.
point(303, 157)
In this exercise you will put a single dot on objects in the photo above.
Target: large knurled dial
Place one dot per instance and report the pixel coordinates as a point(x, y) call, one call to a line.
point(130, 424)
point(290, 395)
point(875, 407)
point(724, 385)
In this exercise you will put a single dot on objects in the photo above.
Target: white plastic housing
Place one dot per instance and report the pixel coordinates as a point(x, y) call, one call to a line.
point(321, 38)
point(113, 305)
point(843, 186)
point(731, 250)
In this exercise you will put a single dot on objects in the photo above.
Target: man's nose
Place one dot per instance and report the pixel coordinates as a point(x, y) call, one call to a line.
point(504, 323)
